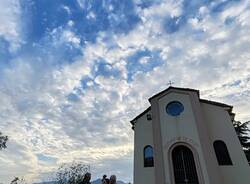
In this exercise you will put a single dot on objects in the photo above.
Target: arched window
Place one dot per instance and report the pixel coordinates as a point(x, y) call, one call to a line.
point(148, 156)
point(222, 154)
point(184, 166)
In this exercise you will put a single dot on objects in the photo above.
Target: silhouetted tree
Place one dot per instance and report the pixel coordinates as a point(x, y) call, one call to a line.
point(71, 173)
point(17, 180)
point(3, 141)
point(242, 132)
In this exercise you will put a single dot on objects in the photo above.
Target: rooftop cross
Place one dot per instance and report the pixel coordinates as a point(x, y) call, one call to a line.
point(170, 83)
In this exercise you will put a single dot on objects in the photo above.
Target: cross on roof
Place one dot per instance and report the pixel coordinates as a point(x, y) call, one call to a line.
point(170, 83)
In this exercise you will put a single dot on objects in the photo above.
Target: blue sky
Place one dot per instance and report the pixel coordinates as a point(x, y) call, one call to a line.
point(74, 72)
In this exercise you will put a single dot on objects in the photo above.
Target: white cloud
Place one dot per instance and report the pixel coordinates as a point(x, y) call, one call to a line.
point(91, 15)
point(37, 114)
point(71, 23)
point(81, 3)
point(10, 27)
point(144, 60)
point(69, 36)
point(67, 9)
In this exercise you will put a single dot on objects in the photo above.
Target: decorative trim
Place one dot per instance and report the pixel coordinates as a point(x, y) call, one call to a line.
point(228, 108)
point(196, 160)
point(175, 88)
point(158, 147)
point(206, 147)
point(180, 139)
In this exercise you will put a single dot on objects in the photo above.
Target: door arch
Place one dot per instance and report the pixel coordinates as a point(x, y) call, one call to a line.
point(184, 166)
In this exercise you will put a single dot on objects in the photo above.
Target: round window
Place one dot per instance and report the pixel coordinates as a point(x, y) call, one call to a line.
point(174, 108)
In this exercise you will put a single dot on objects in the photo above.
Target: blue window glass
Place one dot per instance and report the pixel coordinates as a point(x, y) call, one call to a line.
point(148, 156)
point(174, 108)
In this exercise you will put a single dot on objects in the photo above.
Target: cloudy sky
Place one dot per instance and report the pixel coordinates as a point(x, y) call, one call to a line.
point(74, 72)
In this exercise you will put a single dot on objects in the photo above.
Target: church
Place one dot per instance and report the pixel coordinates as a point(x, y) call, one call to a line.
point(183, 139)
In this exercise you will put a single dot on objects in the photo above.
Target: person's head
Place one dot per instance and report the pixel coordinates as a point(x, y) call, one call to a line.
point(112, 179)
point(87, 176)
point(104, 177)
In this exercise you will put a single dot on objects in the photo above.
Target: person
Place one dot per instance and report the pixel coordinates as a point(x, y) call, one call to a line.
point(105, 180)
point(112, 179)
point(87, 178)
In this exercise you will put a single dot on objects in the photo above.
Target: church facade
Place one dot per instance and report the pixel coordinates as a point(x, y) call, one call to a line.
point(182, 139)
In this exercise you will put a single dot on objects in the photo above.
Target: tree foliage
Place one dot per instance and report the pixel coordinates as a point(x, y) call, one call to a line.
point(242, 132)
point(3, 141)
point(71, 173)
point(17, 180)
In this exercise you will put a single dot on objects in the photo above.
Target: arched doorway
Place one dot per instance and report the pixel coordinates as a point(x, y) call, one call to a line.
point(184, 168)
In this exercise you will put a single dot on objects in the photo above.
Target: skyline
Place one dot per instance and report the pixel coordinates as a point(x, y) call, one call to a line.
point(74, 73)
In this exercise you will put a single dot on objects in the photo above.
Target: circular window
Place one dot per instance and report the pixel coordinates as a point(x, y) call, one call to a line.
point(174, 108)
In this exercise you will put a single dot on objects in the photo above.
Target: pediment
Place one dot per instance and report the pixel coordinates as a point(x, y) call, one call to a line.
point(173, 90)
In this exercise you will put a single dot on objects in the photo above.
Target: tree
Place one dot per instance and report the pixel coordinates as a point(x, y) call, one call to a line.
point(242, 132)
point(72, 173)
point(3, 141)
point(17, 180)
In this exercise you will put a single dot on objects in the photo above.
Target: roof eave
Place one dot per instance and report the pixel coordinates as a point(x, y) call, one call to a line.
point(176, 88)
point(140, 115)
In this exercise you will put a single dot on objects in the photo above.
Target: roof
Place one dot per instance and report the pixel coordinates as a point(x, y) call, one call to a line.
point(140, 115)
point(229, 107)
point(216, 103)
point(169, 88)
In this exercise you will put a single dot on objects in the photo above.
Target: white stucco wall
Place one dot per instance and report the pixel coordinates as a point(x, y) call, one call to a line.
point(220, 128)
point(184, 128)
point(143, 137)
point(180, 129)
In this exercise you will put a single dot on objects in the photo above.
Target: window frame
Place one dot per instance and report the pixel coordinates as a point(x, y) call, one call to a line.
point(222, 153)
point(148, 162)
point(175, 104)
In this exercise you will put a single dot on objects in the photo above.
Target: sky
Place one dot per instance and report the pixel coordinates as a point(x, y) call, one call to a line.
point(73, 73)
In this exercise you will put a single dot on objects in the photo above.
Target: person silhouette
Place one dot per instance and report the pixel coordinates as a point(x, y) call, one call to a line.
point(105, 180)
point(87, 178)
point(112, 179)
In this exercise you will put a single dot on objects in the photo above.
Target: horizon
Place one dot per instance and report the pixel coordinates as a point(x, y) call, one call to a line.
point(74, 73)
